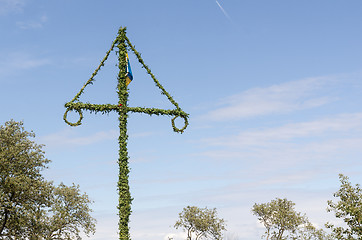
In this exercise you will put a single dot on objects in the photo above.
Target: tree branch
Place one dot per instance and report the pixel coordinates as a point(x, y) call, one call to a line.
point(199, 235)
point(6, 214)
point(5, 220)
point(189, 233)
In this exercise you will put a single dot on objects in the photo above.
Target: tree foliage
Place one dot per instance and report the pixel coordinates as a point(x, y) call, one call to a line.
point(309, 232)
point(278, 217)
point(31, 207)
point(348, 208)
point(201, 223)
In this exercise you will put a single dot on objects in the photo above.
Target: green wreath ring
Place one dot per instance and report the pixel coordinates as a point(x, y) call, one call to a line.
point(73, 124)
point(177, 129)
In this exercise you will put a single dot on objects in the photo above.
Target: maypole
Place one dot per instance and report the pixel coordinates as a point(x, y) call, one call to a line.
point(122, 108)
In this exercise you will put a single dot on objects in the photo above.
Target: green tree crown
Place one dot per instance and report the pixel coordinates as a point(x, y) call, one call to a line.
point(31, 207)
point(201, 223)
point(348, 208)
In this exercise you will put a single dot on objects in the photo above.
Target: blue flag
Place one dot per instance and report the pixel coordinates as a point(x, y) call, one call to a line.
point(129, 76)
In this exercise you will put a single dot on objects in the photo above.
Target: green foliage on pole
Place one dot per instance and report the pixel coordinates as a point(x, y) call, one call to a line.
point(78, 106)
point(125, 199)
point(122, 108)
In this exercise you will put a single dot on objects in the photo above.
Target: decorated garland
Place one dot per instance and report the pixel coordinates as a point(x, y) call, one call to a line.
point(122, 42)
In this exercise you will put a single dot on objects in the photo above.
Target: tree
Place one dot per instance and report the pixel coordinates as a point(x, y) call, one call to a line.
point(201, 223)
point(278, 217)
point(309, 232)
point(31, 207)
point(349, 208)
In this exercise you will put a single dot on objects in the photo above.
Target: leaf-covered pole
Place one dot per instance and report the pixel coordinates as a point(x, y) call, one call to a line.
point(124, 206)
point(122, 108)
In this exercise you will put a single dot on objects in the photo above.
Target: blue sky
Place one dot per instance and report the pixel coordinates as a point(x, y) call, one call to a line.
point(273, 89)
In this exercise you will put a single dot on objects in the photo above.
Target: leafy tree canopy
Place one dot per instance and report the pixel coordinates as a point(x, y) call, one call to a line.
point(31, 207)
point(348, 208)
point(201, 223)
point(281, 221)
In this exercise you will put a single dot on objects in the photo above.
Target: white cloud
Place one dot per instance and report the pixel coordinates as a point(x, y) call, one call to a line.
point(7, 6)
point(18, 61)
point(280, 98)
point(318, 128)
point(69, 138)
point(294, 153)
point(33, 24)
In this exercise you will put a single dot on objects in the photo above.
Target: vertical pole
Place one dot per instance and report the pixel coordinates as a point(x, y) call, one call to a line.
point(125, 199)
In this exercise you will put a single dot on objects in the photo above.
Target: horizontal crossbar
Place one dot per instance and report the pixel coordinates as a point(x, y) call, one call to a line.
point(106, 108)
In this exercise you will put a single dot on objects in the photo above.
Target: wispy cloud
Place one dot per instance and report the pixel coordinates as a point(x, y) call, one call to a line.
point(7, 6)
point(33, 24)
point(324, 145)
point(323, 127)
point(280, 98)
point(223, 10)
point(20, 61)
point(68, 138)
